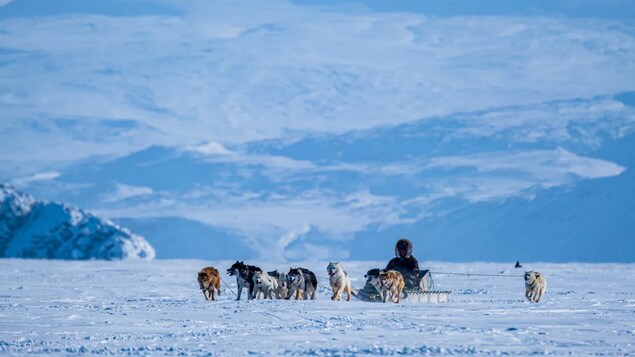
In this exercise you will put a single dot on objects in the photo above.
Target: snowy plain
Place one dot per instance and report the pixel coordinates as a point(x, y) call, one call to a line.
point(155, 308)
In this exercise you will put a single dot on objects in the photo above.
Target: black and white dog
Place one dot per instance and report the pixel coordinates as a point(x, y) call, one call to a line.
point(372, 278)
point(302, 283)
point(244, 277)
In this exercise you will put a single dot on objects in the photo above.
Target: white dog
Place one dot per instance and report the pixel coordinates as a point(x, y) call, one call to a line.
point(265, 284)
point(339, 280)
point(535, 285)
point(283, 290)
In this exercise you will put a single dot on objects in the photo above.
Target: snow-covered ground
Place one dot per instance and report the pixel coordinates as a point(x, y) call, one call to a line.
point(155, 308)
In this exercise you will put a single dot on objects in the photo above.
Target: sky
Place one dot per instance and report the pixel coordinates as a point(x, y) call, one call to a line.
point(305, 125)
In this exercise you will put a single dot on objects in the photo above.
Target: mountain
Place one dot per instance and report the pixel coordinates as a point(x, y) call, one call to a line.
point(178, 237)
point(472, 186)
point(37, 229)
point(591, 221)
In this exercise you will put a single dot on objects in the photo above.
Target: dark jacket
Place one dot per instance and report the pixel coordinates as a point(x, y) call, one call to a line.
point(408, 267)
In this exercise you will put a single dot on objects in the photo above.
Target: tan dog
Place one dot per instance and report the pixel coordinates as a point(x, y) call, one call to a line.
point(208, 279)
point(339, 280)
point(392, 284)
point(535, 285)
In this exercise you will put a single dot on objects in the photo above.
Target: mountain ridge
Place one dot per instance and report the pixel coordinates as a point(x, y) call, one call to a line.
point(50, 230)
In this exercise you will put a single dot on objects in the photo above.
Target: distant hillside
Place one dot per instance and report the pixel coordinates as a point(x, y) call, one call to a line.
point(36, 229)
point(459, 192)
point(175, 237)
point(591, 221)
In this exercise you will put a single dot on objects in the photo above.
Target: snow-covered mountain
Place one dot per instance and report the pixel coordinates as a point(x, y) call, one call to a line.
point(285, 130)
point(36, 229)
point(457, 197)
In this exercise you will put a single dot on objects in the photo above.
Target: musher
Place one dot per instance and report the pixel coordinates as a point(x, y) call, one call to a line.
point(405, 263)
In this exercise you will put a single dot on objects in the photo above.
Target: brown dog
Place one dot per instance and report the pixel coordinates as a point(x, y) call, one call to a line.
point(391, 282)
point(208, 279)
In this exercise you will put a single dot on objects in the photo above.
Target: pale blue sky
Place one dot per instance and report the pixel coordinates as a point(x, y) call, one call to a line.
point(612, 9)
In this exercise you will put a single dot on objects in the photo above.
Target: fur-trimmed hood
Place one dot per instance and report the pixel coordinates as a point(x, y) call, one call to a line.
point(408, 246)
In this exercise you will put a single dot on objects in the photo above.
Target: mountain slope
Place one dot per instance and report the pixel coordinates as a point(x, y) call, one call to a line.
point(178, 237)
point(34, 229)
point(591, 221)
point(472, 186)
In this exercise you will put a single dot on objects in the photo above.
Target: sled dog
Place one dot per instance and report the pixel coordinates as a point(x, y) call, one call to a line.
point(282, 291)
point(535, 285)
point(392, 285)
point(244, 277)
point(372, 278)
point(208, 280)
point(302, 283)
point(264, 284)
point(340, 282)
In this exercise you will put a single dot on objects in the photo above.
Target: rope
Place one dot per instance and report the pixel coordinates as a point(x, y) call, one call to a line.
point(229, 287)
point(328, 289)
point(476, 274)
point(325, 288)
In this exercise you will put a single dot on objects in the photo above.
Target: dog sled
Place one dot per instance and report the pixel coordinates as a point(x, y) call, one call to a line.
point(421, 294)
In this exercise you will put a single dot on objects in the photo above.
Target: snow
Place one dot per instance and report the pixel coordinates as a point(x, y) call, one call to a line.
point(155, 308)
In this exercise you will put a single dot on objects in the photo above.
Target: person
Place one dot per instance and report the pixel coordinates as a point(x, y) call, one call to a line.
point(405, 263)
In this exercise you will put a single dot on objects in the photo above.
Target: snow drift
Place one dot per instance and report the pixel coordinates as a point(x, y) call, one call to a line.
point(38, 229)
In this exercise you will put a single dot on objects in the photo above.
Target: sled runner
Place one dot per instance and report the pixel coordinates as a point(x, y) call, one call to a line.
point(419, 294)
